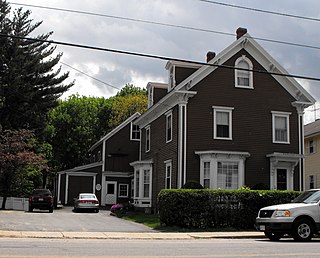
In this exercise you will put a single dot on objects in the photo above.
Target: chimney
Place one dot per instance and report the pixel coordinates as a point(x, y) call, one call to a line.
point(240, 32)
point(210, 55)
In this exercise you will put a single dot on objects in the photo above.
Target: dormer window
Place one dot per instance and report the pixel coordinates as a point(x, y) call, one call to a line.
point(243, 78)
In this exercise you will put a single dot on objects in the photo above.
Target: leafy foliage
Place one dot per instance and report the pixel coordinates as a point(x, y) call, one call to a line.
point(29, 84)
point(74, 126)
point(128, 101)
point(16, 155)
point(216, 208)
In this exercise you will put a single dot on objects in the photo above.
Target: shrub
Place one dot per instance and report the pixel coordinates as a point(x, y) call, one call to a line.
point(117, 210)
point(192, 185)
point(216, 208)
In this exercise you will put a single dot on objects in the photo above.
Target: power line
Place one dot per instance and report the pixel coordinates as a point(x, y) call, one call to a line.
point(164, 58)
point(165, 24)
point(90, 76)
point(261, 10)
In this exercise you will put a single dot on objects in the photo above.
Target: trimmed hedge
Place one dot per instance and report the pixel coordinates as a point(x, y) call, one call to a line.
point(216, 208)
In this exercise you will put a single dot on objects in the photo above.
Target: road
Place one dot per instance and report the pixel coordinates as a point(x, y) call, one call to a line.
point(156, 248)
point(66, 220)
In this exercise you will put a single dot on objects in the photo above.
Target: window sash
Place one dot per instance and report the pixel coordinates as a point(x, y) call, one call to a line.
point(223, 124)
point(168, 175)
point(169, 127)
point(135, 132)
point(146, 183)
point(123, 190)
point(147, 139)
point(281, 128)
point(206, 175)
point(137, 183)
point(228, 175)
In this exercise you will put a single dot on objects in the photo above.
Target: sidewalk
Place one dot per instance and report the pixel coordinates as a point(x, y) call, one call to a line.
point(131, 235)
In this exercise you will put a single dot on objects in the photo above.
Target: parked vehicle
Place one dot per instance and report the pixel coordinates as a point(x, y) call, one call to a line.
point(87, 201)
point(300, 219)
point(41, 199)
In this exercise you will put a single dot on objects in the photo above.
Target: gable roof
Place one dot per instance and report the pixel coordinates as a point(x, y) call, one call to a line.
point(256, 51)
point(312, 129)
point(115, 130)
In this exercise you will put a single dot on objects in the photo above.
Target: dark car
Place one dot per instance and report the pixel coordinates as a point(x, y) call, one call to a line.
point(41, 199)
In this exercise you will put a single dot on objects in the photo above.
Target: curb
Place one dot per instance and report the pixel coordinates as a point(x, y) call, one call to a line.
point(130, 235)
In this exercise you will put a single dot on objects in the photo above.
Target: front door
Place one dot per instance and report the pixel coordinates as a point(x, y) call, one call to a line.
point(111, 190)
point(282, 179)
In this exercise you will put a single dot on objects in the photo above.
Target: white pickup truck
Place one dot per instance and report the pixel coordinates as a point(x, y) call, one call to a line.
point(300, 218)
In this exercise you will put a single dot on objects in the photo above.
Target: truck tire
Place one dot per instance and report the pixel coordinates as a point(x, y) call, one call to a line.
point(302, 230)
point(273, 236)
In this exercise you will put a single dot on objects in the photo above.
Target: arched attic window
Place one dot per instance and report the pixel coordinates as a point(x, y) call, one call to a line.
point(243, 78)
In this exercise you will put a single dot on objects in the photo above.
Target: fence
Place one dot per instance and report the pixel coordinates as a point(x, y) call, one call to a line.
point(14, 203)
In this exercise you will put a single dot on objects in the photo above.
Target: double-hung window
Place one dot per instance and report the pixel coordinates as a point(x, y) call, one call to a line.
point(244, 75)
point(222, 123)
point(123, 190)
point(135, 132)
point(280, 126)
point(168, 172)
point(137, 188)
point(206, 172)
point(169, 127)
point(146, 183)
point(148, 139)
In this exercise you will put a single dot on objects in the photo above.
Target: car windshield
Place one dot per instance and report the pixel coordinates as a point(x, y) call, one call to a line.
point(87, 196)
point(308, 197)
point(41, 192)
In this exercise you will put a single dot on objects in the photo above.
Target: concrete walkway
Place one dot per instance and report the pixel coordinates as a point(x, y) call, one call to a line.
point(130, 235)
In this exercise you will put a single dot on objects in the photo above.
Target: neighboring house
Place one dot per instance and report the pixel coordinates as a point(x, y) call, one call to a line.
point(222, 127)
point(311, 141)
point(109, 174)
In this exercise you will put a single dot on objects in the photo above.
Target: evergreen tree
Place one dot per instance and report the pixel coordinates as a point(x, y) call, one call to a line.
point(29, 84)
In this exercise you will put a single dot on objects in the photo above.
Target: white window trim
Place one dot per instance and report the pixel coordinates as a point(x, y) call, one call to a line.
point(248, 61)
point(168, 114)
point(280, 114)
point(221, 156)
point(222, 109)
point(124, 196)
point(168, 163)
point(139, 200)
point(131, 133)
point(148, 138)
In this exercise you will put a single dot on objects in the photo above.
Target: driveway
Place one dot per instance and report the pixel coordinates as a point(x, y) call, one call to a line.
point(66, 220)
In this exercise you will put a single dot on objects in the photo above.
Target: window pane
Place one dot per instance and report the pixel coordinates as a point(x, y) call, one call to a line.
point(228, 173)
point(281, 131)
point(146, 183)
point(222, 124)
point(243, 76)
point(137, 183)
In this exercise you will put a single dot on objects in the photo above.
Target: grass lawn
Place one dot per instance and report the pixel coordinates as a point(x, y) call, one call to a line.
point(153, 221)
point(149, 220)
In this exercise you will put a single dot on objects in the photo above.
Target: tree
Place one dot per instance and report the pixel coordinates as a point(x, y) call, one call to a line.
point(29, 84)
point(128, 101)
point(74, 126)
point(16, 155)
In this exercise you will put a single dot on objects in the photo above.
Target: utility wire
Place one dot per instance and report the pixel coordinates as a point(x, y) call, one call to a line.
point(164, 58)
point(261, 10)
point(165, 24)
point(90, 76)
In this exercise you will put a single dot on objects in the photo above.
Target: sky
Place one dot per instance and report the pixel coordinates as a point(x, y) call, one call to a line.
point(107, 30)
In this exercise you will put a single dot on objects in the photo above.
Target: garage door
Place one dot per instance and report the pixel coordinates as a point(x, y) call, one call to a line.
point(79, 184)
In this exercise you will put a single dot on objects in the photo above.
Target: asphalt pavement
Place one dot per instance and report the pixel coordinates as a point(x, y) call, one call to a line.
point(64, 224)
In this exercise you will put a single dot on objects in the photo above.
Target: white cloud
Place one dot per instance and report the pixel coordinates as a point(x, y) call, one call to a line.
point(133, 36)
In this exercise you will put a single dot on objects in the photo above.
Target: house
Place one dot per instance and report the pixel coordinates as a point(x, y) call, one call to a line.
point(311, 141)
point(108, 174)
point(223, 127)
